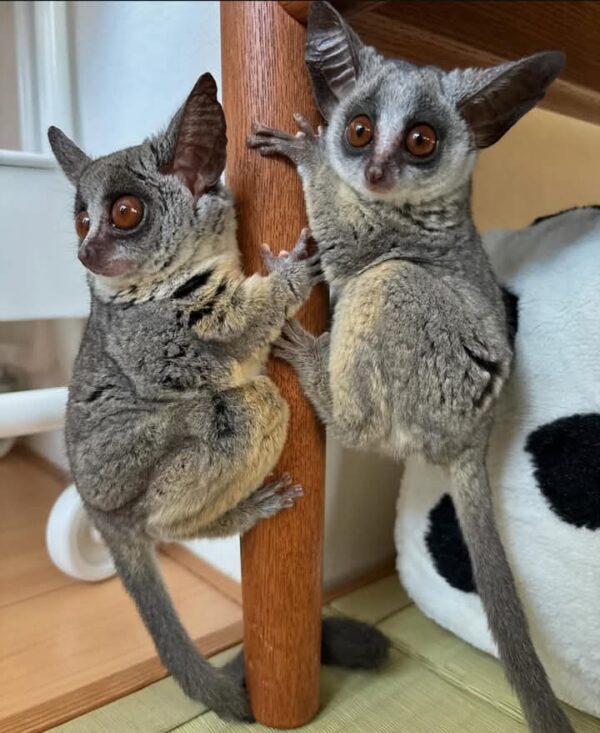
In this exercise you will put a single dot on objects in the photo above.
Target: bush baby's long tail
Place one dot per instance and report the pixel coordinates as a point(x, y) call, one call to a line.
point(496, 587)
point(345, 642)
point(221, 691)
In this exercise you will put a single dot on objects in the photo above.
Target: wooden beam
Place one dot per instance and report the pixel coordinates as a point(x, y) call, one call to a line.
point(458, 33)
point(299, 8)
point(264, 78)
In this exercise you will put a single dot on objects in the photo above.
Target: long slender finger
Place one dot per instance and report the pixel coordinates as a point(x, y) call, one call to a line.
point(283, 482)
point(282, 345)
point(299, 333)
point(299, 249)
point(291, 495)
point(279, 353)
point(304, 124)
point(269, 152)
point(294, 340)
point(264, 494)
point(255, 141)
point(324, 338)
point(301, 245)
point(258, 128)
point(304, 236)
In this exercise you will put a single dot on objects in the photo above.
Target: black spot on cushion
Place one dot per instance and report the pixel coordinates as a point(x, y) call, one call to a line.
point(511, 306)
point(540, 219)
point(447, 547)
point(566, 460)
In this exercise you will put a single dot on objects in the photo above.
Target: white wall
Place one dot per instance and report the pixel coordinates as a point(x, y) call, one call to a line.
point(40, 276)
point(360, 508)
point(134, 63)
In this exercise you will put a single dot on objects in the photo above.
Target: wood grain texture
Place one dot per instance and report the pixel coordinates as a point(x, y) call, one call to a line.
point(264, 79)
point(299, 8)
point(27, 493)
point(78, 647)
point(458, 33)
point(103, 690)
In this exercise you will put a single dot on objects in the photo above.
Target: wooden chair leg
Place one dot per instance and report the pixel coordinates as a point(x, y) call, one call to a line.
point(264, 79)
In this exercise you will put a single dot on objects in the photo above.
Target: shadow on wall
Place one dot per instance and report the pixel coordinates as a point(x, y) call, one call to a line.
point(362, 489)
point(541, 166)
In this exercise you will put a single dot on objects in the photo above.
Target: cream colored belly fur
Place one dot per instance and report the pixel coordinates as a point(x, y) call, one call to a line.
point(362, 408)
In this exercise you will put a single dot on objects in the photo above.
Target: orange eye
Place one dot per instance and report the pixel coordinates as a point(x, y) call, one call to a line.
point(359, 131)
point(82, 225)
point(127, 212)
point(421, 140)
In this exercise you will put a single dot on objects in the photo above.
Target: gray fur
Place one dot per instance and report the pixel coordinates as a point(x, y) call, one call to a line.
point(171, 425)
point(350, 643)
point(419, 350)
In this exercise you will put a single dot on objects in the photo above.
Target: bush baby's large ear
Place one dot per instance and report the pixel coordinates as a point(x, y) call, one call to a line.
point(70, 158)
point(494, 99)
point(199, 151)
point(331, 56)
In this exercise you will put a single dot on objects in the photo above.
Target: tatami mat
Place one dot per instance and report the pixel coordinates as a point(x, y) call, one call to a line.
point(462, 666)
point(405, 696)
point(433, 683)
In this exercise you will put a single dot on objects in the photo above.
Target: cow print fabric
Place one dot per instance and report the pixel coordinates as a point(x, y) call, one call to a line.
point(566, 460)
point(447, 546)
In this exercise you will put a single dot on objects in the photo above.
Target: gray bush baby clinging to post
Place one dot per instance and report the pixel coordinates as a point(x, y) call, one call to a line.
point(419, 349)
point(171, 425)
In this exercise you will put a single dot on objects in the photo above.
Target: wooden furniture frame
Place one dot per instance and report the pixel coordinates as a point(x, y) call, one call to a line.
point(264, 79)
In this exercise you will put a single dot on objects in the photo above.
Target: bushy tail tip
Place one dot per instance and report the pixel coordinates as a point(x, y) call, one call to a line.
point(353, 644)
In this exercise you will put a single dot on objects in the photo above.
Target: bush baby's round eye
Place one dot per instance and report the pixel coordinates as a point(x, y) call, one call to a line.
point(421, 140)
point(82, 225)
point(359, 131)
point(127, 212)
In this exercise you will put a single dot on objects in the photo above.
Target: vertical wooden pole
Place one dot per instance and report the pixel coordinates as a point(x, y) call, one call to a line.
point(264, 79)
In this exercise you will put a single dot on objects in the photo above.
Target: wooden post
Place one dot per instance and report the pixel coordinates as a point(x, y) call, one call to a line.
point(264, 79)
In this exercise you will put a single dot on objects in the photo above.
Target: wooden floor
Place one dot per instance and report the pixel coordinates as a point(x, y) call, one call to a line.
point(67, 647)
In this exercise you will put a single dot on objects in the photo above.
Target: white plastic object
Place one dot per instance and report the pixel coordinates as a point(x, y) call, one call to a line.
point(32, 411)
point(74, 545)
